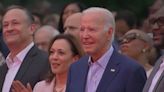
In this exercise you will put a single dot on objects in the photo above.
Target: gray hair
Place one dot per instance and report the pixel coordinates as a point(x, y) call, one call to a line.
point(107, 15)
point(51, 30)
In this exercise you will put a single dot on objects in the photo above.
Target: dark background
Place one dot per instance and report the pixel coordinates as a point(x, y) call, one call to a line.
point(139, 7)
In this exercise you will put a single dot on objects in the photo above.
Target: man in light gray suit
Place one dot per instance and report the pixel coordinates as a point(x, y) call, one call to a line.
point(155, 82)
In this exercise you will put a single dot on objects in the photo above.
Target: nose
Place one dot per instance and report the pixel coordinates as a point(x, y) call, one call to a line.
point(66, 31)
point(8, 28)
point(155, 26)
point(55, 56)
point(124, 41)
point(84, 33)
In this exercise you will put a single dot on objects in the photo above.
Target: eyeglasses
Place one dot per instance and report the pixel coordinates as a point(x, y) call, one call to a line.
point(130, 37)
point(159, 21)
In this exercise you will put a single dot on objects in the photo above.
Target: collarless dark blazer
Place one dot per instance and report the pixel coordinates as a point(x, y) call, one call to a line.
point(33, 68)
point(127, 76)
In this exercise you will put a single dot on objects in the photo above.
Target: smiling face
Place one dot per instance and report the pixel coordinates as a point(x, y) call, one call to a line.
point(61, 56)
point(157, 23)
point(94, 38)
point(16, 28)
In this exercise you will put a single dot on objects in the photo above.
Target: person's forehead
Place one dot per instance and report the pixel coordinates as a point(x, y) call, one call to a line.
point(73, 21)
point(93, 19)
point(89, 17)
point(14, 13)
point(159, 13)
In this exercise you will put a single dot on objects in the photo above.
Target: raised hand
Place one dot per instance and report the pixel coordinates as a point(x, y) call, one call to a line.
point(17, 86)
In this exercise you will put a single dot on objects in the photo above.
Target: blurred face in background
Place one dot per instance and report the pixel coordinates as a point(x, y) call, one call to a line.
point(132, 45)
point(72, 24)
point(121, 28)
point(157, 24)
point(61, 56)
point(42, 39)
point(69, 10)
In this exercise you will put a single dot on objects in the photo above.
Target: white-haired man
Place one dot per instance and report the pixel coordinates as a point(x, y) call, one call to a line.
point(103, 69)
point(43, 36)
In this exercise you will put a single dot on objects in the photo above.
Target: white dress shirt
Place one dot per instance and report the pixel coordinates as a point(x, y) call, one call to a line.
point(14, 65)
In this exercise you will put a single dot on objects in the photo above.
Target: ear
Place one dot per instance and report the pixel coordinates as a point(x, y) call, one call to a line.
point(76, 58)
point(32, 28)
point(110, 33)
point(146, 47)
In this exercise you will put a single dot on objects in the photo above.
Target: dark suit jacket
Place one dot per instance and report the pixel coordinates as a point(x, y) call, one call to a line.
point(3, 47)
point(127, 77)
point(32, 70)
point(159, 86)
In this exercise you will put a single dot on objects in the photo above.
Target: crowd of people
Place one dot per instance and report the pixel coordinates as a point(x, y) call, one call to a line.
point(82, 50)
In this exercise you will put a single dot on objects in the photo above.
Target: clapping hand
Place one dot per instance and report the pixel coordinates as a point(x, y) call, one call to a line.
point(17, 86)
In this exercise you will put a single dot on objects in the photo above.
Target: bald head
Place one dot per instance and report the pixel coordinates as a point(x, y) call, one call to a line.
point(43, 36)
point(72, 24)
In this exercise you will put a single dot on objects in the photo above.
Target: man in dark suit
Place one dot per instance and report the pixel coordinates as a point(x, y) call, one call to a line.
point(103, 69)
point(3, 47)
point(155, 82)
point(25, 61)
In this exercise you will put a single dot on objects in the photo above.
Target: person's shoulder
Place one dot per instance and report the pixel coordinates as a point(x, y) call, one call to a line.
point(42, 83)
point(82, 61)
point(38, 54)
point(127, 62)
point(42, 86)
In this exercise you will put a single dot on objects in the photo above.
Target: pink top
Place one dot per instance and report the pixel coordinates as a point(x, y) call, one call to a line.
point(43, 86)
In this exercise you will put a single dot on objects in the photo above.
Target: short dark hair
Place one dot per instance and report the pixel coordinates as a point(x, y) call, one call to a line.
point(128, 16)
point(80, 5)
point(73, 41)
point(28, 13)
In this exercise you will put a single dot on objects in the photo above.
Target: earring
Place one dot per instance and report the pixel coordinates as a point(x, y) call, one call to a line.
point(143, 50)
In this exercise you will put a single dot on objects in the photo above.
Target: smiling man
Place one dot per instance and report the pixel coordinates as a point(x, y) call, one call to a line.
point(103, 69)
point(155, 82)
point(25, 61)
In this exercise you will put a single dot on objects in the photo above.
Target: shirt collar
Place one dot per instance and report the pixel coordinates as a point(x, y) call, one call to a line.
point(20, 56)
point(103, 60)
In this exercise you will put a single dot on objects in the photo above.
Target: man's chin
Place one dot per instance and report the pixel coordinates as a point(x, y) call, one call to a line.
point(89, 52)
point(159, 44)
point(10, 42)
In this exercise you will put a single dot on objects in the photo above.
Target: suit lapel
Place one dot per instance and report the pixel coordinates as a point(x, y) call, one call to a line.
point(109, 73)
point(149, 81)
point(160, 84)
point(160, 80)
point(26, 63)
point(84, 73)
point(3, 72)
